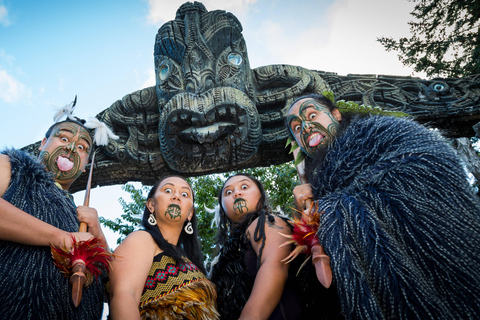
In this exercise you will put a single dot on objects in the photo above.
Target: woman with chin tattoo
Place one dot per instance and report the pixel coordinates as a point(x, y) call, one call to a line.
point(251, 280)
point(159, 272)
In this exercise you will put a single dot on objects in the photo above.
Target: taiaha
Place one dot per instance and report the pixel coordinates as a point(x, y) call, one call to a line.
point(305, 229)
point(78, 278)
point(90, 258)
point(87, 259)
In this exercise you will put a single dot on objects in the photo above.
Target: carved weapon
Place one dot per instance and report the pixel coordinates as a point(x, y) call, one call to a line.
point(78, 278)
point(320, 260)
point(304, 232)
point(87, 259)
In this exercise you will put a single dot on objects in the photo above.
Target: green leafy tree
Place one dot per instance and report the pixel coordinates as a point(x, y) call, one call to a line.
point(445, 38)
point(131, 219)
point(278, 181)
point(206, 189)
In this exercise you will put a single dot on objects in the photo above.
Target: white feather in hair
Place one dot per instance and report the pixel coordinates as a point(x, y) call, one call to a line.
point(102, 132)
point(66, 110)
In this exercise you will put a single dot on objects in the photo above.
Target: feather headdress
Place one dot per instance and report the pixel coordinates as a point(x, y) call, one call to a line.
point(66, 110)
point(102, 132)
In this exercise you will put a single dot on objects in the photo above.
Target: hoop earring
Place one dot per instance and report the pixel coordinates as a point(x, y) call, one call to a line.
point(189, 228)
point(151, 219)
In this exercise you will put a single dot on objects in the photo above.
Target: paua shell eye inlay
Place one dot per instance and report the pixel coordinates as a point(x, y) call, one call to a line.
point(163, 71)
point(235, 59)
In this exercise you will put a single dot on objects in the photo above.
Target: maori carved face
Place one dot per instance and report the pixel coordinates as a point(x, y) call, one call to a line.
point(206, 97)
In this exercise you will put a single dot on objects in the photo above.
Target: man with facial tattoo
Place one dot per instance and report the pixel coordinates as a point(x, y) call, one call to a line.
point(398, 220)
point(36, 211)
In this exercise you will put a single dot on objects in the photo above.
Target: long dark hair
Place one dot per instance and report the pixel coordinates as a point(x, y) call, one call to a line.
point(188, 244)
point(261, 212)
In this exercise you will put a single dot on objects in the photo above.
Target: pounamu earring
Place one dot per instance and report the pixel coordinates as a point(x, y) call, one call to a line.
point(189, 228)
point(152, 220)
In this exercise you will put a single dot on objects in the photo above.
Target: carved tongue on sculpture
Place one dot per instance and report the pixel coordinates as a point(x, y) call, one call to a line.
point(207, 134)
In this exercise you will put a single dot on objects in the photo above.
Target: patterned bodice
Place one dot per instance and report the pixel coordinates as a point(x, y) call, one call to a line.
point(166, 276)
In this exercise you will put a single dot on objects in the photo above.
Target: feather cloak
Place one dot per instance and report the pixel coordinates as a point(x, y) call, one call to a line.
point(31, 286)
point(400, 223)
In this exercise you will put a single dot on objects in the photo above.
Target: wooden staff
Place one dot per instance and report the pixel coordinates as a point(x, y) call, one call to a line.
point(78, 278)
point(319, 258)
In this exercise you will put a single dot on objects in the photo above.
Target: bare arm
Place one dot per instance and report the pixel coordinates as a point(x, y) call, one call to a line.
point(17, 225)
point(272, 275)
point(128, 274)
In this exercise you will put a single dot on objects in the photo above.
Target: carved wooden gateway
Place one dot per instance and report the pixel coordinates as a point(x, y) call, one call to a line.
point(210, 112)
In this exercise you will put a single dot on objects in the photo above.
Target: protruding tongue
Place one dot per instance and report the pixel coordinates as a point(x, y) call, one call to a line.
point(64, 164)
point(315, 140)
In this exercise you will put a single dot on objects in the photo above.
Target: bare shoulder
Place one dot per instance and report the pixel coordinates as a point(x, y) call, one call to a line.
point(5, 162)
point(5, 173)
point(140, 236)
point(279, 221)
point(137, 241)
point(275, 230)
point(273, 223)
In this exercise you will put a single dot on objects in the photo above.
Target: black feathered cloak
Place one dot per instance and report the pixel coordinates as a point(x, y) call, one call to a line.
point(400, 223)
point(31, 286)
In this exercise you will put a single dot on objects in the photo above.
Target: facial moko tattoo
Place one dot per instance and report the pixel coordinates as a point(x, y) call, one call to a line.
point(314, 126)
point(240, 206)
point(63, 159)
point(173, 212)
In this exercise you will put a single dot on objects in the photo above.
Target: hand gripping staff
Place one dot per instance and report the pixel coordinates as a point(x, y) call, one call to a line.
point(305, 227)
point(88, 259)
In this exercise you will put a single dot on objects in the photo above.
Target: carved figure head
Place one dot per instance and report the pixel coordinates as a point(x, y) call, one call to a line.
point(205, 91)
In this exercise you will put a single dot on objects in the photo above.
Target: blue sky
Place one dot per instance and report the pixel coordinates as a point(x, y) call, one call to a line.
point(51, 51)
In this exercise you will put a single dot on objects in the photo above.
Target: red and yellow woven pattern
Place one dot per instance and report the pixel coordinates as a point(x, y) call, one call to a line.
point(177, 291)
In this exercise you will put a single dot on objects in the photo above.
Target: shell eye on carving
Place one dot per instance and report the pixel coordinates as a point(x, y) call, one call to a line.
point(235, 59)
point(438, 87)
point(163, 71)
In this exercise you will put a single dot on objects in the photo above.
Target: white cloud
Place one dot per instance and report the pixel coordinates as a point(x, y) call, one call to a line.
point(345, 44)
point(11, 90)
point(150, 82)
point(238, 7)
point(354, 29)
point(4, 20)
point(162, 11)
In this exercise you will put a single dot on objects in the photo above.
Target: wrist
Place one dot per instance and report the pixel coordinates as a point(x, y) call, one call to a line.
point(61, 239)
